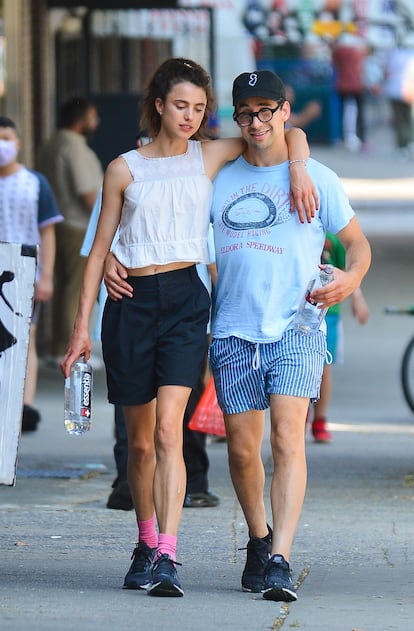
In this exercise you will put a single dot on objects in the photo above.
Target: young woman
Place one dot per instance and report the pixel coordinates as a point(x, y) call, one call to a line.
point(154, 340)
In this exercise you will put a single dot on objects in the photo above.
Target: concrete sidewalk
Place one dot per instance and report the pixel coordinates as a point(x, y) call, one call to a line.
point(63, 555)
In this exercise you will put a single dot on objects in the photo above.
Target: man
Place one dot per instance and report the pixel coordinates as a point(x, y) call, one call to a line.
point(28, 214)
point(265, 258)
point(75, 174)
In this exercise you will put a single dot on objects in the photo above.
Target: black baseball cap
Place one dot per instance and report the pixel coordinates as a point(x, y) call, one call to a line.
point(259, 83)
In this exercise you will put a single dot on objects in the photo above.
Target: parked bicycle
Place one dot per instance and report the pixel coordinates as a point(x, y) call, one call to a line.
point(407, 362)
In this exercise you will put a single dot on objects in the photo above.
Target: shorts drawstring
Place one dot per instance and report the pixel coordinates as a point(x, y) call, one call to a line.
point(256, 358)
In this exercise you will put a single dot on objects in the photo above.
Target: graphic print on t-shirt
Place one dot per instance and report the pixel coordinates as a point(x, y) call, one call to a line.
point(256, 209)
point(249, 214)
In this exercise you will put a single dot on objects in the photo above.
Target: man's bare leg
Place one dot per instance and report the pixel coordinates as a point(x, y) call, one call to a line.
point(287, 492)
point(244, 441)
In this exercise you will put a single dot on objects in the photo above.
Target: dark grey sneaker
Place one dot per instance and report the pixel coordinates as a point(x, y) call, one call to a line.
point(164, 578)
point(139, 574)
point(278, 584)
point(258, 554)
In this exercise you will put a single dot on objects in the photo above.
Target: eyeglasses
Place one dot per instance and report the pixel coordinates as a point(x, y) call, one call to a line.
point(265, 114)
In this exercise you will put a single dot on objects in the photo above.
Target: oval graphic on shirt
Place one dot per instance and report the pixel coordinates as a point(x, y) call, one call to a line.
point(253, 210)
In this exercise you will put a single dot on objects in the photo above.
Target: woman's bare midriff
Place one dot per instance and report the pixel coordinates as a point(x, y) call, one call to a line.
point(150, 270)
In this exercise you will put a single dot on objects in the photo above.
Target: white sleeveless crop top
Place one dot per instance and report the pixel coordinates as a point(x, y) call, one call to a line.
point(166, 210)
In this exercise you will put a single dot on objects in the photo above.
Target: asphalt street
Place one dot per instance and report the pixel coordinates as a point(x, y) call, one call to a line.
point(63, 554)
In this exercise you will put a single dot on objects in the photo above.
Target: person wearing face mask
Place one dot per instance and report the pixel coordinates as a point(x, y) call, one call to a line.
point(75, 175)
point(28, 214)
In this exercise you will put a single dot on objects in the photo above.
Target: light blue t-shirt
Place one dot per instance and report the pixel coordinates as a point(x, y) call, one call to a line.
point(265, 256)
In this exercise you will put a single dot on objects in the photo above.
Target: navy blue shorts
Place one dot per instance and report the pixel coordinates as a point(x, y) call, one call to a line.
point(157, 337)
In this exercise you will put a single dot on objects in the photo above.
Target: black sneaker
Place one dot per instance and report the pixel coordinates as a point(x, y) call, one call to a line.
point(139, 574)
point(30, 419)
point(120, 497)
point(203, 499)
point(278, 584)
point(164, 578)
point(258, 554)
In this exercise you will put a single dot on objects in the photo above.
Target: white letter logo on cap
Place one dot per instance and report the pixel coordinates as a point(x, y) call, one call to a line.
point(253, 79)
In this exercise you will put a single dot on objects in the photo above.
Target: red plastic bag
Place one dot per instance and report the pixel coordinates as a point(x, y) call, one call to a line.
point(208, 417)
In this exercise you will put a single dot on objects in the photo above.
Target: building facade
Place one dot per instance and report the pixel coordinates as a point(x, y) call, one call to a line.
point(106, 49)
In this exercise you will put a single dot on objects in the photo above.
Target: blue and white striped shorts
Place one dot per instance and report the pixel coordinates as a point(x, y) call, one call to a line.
point(246, 373)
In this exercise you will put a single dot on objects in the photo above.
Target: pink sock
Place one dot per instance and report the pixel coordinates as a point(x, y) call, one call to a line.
point(167, 544)
point(147, 532)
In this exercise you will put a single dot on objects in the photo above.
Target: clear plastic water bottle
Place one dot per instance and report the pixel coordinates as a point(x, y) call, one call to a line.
point(308, 317)
point(78, 397)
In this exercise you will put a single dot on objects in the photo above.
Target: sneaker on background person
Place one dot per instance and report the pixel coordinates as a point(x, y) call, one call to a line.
point(30, 418)
point(203, 499)
point(120, 497)
point(320, 431)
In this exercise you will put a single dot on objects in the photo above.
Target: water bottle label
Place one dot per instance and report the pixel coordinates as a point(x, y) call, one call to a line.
point(308, 298)
point(86, 389)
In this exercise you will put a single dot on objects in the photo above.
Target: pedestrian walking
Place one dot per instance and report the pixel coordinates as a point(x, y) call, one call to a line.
point(75, 175)
point(399, 89)
point(348, 59)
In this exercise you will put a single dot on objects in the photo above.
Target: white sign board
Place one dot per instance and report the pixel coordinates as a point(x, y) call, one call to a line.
point(17, 276)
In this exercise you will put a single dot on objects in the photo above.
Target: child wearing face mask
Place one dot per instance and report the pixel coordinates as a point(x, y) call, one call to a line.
point(28, 214)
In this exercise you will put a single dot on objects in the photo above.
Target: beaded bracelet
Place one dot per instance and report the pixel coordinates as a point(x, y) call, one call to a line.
point(293, 162)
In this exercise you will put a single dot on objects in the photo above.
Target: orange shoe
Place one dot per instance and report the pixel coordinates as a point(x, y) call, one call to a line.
point(320, 432)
